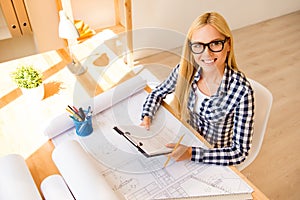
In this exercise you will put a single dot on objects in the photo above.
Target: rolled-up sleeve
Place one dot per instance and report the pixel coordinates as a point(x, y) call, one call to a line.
point(154, 99)
point(242, 137)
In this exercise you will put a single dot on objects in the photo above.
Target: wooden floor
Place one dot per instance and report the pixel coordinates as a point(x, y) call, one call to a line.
point(268, 52)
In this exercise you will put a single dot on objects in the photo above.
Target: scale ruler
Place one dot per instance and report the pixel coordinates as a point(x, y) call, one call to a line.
point(240, 196)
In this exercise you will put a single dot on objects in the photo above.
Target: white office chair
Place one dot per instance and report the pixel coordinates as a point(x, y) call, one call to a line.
point(263, 102)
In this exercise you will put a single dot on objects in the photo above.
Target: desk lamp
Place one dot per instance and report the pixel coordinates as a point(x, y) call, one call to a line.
point(67, 30)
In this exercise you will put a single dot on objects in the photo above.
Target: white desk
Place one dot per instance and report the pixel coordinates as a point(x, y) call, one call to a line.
point(19, 132)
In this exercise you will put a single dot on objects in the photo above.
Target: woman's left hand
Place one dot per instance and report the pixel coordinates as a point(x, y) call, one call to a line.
point(182, 152)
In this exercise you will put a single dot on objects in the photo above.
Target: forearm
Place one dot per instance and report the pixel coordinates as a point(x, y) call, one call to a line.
point(154, 99)
point(151, 105)
point(219, 156)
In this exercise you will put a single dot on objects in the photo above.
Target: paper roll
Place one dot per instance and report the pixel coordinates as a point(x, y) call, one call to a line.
point(80, 172)
point(62, 122)
point(16, 181)
point(54, 188)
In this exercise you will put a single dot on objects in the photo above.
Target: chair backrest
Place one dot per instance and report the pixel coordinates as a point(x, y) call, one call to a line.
point(263, 102)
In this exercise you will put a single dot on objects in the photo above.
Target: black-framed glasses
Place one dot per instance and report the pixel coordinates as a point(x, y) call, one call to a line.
point(213, 46)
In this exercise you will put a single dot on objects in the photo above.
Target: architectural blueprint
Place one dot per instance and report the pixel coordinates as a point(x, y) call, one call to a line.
point(137, 177)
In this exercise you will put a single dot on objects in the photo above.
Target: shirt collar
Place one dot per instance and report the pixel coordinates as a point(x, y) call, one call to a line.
point(197, 75)
point(222, 90)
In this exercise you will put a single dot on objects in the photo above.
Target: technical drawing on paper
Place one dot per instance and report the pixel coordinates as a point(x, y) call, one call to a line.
point(138, 177)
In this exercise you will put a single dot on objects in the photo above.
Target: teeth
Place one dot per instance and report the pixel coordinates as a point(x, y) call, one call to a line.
point(208, 61)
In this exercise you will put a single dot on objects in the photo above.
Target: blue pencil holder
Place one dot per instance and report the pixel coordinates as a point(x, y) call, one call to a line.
point(84, 128)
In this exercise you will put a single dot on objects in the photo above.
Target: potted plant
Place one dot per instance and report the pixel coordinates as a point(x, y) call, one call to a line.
point(30, 81)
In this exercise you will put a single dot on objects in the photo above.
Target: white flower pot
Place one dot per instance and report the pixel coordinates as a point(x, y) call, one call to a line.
point(34, 94)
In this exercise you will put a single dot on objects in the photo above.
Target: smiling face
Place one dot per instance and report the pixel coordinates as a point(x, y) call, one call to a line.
point(208, 59)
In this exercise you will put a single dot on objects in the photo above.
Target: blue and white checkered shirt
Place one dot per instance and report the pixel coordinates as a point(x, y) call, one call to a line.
point(225, 119)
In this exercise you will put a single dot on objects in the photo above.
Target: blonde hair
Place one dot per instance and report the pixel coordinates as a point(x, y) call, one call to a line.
point(188, 67)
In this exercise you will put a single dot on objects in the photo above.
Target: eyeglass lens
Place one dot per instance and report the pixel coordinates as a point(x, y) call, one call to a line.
point(214, 46)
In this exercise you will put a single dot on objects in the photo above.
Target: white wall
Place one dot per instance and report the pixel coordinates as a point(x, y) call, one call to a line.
point(175, 16)
point(17, 47)
point(178, 14)
point(101, 13)
point(44, 19)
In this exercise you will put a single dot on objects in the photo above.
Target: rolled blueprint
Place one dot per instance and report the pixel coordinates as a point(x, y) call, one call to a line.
point(16, 181)
point(80, 172)
point(54, 188)
point(62, 122)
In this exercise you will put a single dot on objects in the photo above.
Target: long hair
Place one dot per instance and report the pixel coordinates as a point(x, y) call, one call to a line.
point(188, 67)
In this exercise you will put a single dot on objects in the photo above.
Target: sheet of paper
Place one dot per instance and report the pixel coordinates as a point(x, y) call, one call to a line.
point(78, 170)
point(16, 181)
point(104, 143)
point(54, 188)
point(151, 142)
point(150, 180)
point(136, 177)
point(62, 121)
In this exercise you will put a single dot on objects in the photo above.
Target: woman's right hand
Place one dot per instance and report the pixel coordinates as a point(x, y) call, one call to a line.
point(146, 122)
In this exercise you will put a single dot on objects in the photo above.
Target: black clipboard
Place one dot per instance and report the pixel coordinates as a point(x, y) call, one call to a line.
point(139, 145)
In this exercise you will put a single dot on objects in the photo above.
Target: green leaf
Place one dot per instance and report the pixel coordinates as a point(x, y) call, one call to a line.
point(27, 77)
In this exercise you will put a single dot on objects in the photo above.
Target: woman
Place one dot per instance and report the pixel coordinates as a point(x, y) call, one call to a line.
point(211, 94)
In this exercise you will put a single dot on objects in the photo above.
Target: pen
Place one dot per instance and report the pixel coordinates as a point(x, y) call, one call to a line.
point(89, 110)
point(75, 109)
point(177, 144)
point(77, 113)
point(81, 113)
point(74, 114)
point(69, 111)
